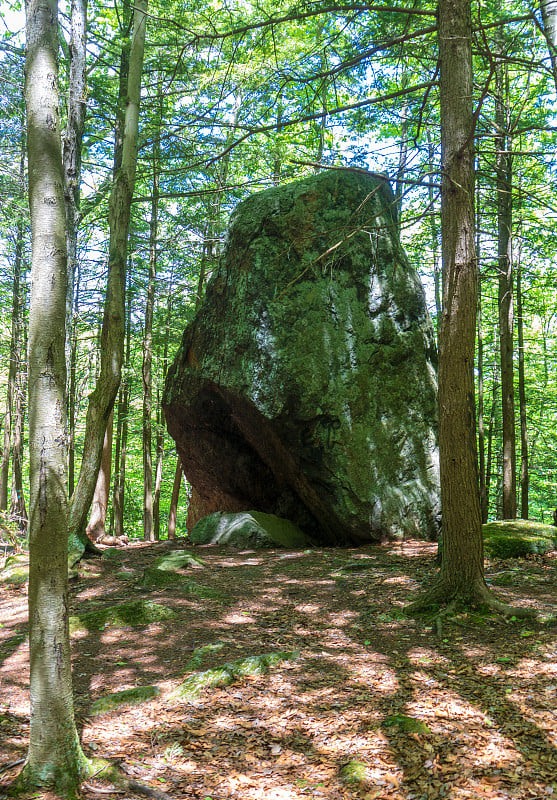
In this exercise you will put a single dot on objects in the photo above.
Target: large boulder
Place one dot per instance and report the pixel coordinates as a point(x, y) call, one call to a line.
point(306, 384)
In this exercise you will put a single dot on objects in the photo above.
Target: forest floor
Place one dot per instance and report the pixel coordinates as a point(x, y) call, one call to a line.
point(370, 695)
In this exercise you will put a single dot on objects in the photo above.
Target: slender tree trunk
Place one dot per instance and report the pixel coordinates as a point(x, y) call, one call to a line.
point(461, 574)
point(118, 497)
point(54, 758)
point(72, 392)
point(71, 155)
point(434, 233)
point(15, 344)
point(148, 523)
point(101, 401)
point(549, 18)
point(277, 165)
point(402, 153)
point(524, 467)
point(96, 527)
point(18, 510)
point(506, 281)
point(173, 514)
point(484, 499)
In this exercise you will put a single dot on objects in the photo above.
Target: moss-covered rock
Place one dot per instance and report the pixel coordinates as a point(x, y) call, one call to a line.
point(16, 569)
point(137, 613)
point(154, 578)
point(249, 529)
point(406, 724)
point(518, 538)
point(193, 686)
point(127, 697)
point(306, 384)
point(356, 773)
point(177, 559)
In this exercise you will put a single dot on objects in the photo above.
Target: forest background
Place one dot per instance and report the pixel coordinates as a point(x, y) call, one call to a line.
point(240, 96)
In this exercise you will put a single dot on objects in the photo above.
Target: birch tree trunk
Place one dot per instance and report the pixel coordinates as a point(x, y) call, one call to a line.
point(549, 18)
point(54, 758)
point(101, 401)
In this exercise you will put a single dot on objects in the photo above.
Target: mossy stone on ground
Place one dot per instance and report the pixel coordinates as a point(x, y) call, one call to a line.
point(518, 538)
point(16, 569)
point(406, 724)
point(137, 613)
point(154, 577)
point(127, 697)
point(249, 529)
point(177, 559)
point(356, 772)
point(193, 686)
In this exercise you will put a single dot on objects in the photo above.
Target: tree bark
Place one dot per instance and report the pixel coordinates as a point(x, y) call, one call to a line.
point(549, 19)
point(461, 573)
point(173, 513)
point(54, 758)
point(71, 156)
point(118, 496)
point(505, 290)
point(147, 376)
point(96, 527)
point(101, 401)
point(15, 343)
point(524, 466)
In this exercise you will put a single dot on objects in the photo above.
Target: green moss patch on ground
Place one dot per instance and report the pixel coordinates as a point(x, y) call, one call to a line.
point(518, 538)
point(137, 613)
point(127, 697)
point(192, 687)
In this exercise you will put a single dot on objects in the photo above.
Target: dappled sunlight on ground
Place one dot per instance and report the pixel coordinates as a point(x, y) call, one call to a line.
point(467, 716)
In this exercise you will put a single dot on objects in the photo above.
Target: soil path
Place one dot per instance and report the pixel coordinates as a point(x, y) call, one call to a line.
point(371, 695)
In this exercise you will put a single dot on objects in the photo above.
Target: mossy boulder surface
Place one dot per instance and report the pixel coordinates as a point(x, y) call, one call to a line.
point(177, 559)
point(518, 538)
point(136, 613)
point(15, 569)
point(247, 530)
point(306, 385)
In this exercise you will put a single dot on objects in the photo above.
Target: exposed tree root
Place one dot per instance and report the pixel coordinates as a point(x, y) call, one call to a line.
point(443, 599)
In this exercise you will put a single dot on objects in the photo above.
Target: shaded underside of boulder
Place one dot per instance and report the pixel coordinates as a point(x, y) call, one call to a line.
point(306, 385)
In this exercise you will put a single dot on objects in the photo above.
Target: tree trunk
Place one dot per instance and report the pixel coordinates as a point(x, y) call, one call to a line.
point(524, 467)
point(173, 513)
point(101, 401)
point(54, 757)
point(99, 507)
point(148, 523)
point(461, 574)
point(505, 283)
point(15, 343)
point(18, 510)
point(484, 499)
point(71, 155)
point(434, 233)
point(549, 18)
point(118, 496)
